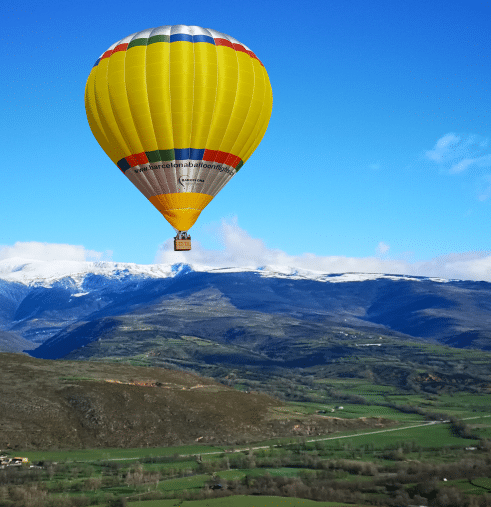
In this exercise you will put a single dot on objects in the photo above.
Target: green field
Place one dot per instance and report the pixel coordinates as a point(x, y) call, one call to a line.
point(400, 432)
point(242, 501)
point(89, 455)
point(430, 437)
point(478, 486)
point(194, 482)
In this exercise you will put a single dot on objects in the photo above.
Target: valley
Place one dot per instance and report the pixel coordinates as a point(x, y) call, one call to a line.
point(175, 385)
point(362, 443)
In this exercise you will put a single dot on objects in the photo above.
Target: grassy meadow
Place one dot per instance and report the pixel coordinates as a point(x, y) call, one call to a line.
point(193, 475)
point(426, 439)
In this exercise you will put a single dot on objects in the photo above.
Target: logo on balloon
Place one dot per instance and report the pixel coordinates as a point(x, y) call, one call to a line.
point(186, 179)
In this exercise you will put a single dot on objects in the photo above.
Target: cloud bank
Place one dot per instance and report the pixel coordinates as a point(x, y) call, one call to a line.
point(242, 250)
point(33, 250)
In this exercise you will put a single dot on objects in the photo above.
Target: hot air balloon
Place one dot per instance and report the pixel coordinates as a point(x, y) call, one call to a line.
point(179, 109)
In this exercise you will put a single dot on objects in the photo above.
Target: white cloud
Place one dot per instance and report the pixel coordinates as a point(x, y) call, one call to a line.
point(443, 148)
point(34, 250)
point(243, 251)
point(464, 266)
point(456, 153)
point(240, 250)
point(382, 248)
point(462, 165)
point(478, 162)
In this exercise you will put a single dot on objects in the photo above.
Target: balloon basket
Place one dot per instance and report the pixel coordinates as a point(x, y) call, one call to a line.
point(182, 242)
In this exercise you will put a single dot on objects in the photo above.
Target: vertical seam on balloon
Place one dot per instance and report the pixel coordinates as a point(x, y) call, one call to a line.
point(91, 110)
point(255, 143)
point(171, 75)
point(156, 175)
point(167, 180)
point(145, 174)
point(105, 83)
point(121, 132)
point(216, 94)
point(153, 182)
point(235, 101)
point(160, 175)
point(136, 130)
point(252, 137)
point(174, 172)
point(191, 147)
point(128, 99)
point(213, 185)
point(267, 117)
point(217, 186)
point(214, 106)
point(126, 148)
point(248, 109)
point(192, 111)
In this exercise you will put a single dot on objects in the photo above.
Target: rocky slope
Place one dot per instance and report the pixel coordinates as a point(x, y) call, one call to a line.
point(63, 405)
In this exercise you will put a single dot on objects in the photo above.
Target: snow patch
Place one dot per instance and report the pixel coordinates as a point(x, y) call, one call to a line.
point(45, 273)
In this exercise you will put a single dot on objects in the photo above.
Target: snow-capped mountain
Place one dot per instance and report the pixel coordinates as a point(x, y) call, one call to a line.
point(46, 273)
point(44, 302)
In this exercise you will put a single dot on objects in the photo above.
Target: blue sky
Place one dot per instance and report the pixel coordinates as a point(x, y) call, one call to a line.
point(377, 155)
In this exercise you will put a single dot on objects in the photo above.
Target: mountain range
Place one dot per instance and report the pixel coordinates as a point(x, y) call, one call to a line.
point(72, 309)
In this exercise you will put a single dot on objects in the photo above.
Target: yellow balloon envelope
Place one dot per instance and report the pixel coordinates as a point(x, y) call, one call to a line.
point(179, 109)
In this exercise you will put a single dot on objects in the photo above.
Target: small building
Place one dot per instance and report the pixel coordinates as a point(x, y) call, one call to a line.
point(17, 462)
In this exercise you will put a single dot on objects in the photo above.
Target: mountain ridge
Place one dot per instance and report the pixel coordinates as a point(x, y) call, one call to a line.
point(48, 303)
point(35, 272)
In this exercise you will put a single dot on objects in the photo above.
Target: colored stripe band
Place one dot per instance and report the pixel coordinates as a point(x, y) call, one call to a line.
point(146, 157)
point(178, 37)
point(204, 38)
point(158, 38)
point(224, 42)
point(138, 42)
point(190, 38)
point(120, 47)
